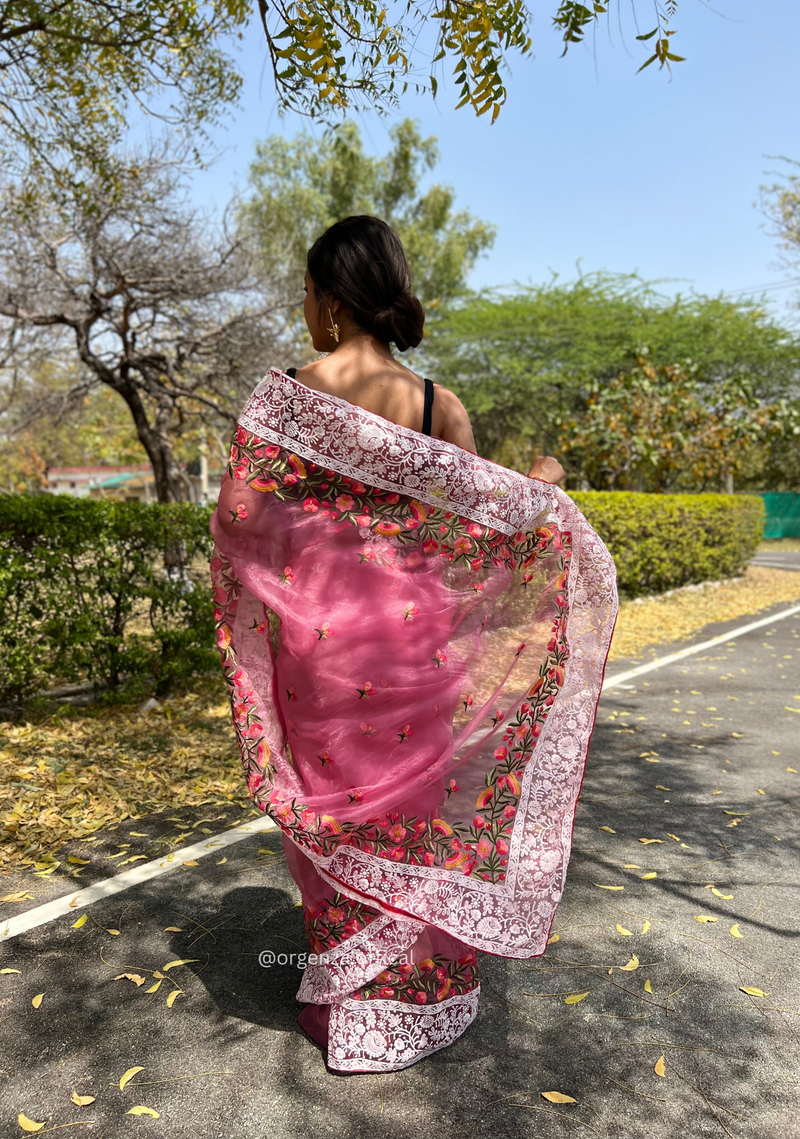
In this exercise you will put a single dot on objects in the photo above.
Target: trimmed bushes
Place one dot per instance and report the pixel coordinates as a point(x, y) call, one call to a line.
point(116, 593)
point(662, 541)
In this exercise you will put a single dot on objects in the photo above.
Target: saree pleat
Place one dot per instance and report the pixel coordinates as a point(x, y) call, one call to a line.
point(414, 641)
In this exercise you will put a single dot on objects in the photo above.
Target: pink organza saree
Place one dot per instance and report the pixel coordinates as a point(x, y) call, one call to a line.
point(414, 639)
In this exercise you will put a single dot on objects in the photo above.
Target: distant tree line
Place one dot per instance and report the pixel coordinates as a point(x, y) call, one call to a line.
point(132, 326)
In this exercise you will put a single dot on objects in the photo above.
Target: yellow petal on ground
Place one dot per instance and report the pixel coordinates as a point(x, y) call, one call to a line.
point(221, 861)
point(171, 998)
point(660, 1068)
point(154, 988)
point(660, 788)
point(558, 1097)
point(648, 876)
point(139, 1110)
point(28, 1124)
point(704, 917)
point(37, 1000)
point(113, 932)
point(82, 1100)
point(573, 998)
point(173, 929)
point(792, 770)
point(10, 970)
point(741, 814)
point(182, 961)
point(647, 841)
point(631, 966)
point(719, 893)
point(80, 922)
point(131, 1072)
point(631, 866)
point(134, 858)
point(79, 861)
point(752, 992)
point(553, 938)
point(191, 862)
point(734, 931)
point(19, 896)
point(760, 791)
point(646, 926)
point(648, 988)
point(608, 830)
point(137, 980)
point(623, 931)
point(600, 886)
point(669, 835)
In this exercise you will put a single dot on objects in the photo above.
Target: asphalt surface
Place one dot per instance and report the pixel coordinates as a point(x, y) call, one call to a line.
point(694, 755)
point(778, 559)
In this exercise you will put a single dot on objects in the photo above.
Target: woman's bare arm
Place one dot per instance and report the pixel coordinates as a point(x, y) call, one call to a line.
point(451, 420)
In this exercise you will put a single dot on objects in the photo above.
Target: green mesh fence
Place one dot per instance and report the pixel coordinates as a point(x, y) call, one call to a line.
point(783, 515)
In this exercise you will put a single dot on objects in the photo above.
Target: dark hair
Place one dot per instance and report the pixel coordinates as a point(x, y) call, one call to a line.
point(361, 262)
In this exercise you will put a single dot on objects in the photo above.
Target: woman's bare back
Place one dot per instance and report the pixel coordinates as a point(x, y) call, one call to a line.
point(382, 385)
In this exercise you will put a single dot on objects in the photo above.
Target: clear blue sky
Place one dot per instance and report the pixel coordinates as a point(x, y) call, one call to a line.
point(589, 161)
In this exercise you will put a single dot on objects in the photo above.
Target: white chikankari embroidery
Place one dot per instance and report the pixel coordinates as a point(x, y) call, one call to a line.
point(345, 438)
point(385, 1036)
point(358, 959)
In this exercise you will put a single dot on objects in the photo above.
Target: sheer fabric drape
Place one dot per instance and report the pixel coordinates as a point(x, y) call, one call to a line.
point(414, 641)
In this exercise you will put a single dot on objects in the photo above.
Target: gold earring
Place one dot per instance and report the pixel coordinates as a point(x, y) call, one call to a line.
point(334, 327)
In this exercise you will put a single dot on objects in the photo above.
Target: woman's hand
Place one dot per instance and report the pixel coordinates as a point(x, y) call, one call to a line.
point(547, 469)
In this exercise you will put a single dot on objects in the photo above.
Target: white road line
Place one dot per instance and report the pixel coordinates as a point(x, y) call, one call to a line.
point(71, 903)
point(660, 662)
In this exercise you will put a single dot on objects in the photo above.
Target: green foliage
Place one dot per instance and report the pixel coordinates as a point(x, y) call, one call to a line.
point(72, 70)
point(301, 186)
point(525, 361)
point(654, 428)
point(664, 541)
point(333, 55)
point(113, 593)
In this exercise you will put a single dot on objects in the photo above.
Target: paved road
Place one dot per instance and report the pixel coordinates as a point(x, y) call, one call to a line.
point(777, 559)
point(693, 755)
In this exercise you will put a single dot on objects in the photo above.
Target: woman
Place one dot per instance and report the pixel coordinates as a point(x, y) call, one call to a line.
point(414, 640)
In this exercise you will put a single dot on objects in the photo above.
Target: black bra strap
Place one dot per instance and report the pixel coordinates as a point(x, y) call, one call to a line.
point(427, 413)
point(291, 372)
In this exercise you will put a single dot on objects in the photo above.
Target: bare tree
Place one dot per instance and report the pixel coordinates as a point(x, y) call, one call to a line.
point(174, 313)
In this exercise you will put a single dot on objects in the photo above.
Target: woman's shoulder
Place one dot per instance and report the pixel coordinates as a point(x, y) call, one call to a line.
point(450, 419)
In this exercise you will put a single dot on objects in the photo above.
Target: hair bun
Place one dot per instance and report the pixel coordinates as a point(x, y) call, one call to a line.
point(400, 322)
point(360, 261)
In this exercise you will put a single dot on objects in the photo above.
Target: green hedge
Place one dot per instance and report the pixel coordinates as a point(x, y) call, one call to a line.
point(85, 595)
point(662, 541)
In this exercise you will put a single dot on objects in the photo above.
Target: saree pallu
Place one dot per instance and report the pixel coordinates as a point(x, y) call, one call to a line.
point(414, 640)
